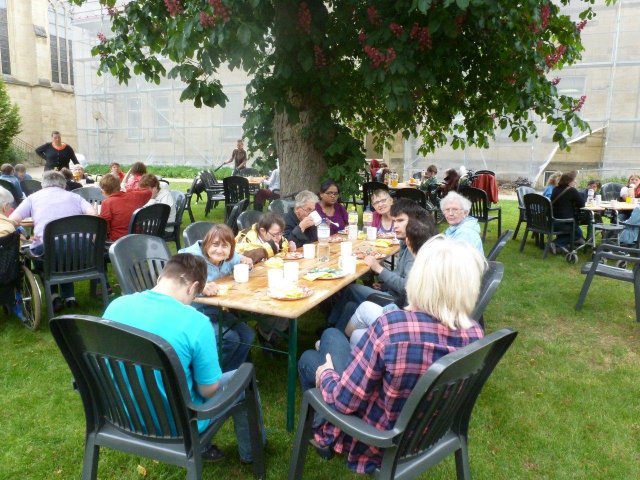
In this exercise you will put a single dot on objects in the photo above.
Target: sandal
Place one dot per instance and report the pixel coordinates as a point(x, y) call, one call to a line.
point(212, 454)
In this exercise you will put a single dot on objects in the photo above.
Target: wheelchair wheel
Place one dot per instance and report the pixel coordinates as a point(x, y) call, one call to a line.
point(572, 258)
point(30, 300)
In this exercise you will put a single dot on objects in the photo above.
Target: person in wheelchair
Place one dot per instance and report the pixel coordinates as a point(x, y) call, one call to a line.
point(6, 225)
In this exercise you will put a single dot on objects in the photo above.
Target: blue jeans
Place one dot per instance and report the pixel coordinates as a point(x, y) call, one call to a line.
point(333, 342)
point(346, 302)
point(241, 421)
point(237, 337)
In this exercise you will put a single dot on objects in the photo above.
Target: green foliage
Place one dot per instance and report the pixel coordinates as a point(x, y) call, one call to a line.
point(448, 71)
point(10, 122)
point(13, 155)
point(163, 171)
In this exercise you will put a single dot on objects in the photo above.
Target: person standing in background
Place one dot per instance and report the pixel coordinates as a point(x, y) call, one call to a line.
point(56, 154)
point(239, 157)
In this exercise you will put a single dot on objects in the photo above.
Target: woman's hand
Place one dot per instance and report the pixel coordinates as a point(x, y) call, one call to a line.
point(328, 365)
point(246, 260)
point(210, 289)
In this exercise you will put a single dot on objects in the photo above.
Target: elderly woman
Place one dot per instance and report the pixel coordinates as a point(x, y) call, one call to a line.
point(566, 202)
point(374, 380)
point(382, 219)
point(264, 239)
point(462, 227)
point(330, 209)
point(551, 184)
point(80, 176)
point(6, 207)
point(299, 226)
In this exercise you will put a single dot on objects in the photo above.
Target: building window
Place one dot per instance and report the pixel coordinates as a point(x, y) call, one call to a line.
point(134, 118)
point(5, 61)
point(60, 43)
point(161, 118)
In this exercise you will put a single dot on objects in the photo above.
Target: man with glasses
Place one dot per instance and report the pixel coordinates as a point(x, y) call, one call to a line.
point(300, 226)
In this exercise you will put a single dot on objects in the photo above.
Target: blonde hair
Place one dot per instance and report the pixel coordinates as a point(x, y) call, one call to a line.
point(553, 179)
point(445, 280)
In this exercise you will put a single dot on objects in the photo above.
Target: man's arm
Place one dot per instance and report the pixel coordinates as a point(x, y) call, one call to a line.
point(207, 391)
point(397, 279)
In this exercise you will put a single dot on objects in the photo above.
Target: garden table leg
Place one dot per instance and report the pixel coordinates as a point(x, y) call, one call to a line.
point(292, 370)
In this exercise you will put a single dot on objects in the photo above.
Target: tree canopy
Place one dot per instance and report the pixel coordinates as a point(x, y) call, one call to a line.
point(326, 73)
point(10, 122)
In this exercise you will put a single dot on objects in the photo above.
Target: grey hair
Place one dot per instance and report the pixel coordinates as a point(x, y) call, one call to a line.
point(306, 196)
point(51, 178)
point(5, 198)
point(452, 197)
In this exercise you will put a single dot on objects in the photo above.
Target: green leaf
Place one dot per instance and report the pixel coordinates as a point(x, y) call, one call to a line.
point(462, 4)
point(244, 34)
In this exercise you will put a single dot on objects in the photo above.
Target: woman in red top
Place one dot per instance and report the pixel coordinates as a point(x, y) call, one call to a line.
point(135, 173)
point(117, 209)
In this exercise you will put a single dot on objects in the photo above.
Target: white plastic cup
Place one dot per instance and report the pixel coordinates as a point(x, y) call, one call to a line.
point(290, 272)
point(308, 251)
point(347, 264)
point(241, 273)
point(372, 234)
point(598, 199)
point(315, 216)
point(346, 249)
point(352, 231)
point(275, 278)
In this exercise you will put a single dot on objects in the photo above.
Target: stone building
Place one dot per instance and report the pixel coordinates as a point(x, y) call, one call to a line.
point(36, 44)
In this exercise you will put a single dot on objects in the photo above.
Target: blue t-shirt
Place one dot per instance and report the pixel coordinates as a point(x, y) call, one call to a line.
point(188, 331)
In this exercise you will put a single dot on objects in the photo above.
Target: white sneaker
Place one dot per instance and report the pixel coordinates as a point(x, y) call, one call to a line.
point(552, 247)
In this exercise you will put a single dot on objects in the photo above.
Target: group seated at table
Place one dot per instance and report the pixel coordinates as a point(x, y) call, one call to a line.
point(117, 209)
point(165, 311)
point(373, 380)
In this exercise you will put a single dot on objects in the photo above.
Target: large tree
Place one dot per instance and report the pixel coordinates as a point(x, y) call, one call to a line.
point(10, 122)
point(324, 73)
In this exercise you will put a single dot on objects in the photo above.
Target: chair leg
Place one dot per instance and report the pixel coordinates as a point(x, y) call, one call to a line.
point(636, 291)
point(463, 469)
point(257, 446)
point(524, 238)
point(48, 299)
point(515, 234)
point(194, 466)
point(90, 461)
point(499, 223)
point(585, 288)
point(484, 231)
point(105, 290)
point(301, 442)
point(176, 236)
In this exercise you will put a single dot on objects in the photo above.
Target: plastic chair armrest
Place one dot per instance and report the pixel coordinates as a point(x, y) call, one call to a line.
point(349, 424)
point(239, 382)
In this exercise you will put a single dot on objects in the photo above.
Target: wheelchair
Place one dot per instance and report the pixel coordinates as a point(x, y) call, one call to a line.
point(19, 290)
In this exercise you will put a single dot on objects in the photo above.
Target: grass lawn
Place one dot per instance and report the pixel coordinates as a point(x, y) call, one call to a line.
point(563, 404)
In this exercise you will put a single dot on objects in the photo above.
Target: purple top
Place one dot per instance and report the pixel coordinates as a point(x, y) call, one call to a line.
point(377, 222)
point(340, 216)
point(50, 204)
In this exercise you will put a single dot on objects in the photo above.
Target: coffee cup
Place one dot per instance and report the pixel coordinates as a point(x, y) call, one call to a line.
point(315, 216)
point(308, 251)
point(275, 277)
point(290, 272)
point(346, 248)
point(241, 273)
point(347, 264)
point(372, 234)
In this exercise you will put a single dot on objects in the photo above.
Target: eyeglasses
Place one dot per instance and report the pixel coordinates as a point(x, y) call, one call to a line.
point(452, 210)
point(333, 194)
point(275, 235)
point(380, 202)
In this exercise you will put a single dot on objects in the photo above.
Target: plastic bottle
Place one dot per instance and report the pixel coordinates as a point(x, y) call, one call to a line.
point(367, 218)
point(353, 216)
point(323, 241)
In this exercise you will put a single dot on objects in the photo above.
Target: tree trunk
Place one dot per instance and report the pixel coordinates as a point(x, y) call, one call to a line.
point(301, 165)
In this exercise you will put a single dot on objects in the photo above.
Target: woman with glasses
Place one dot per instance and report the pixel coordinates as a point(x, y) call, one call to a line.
point(382, 219)
point(462, 227)
point(264, 239)
point(330, 209)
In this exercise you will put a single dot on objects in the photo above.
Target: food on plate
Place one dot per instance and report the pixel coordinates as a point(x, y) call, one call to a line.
point(290, 293)
point(367, 249)
point(323, 274)
point(383, 243)
point(274, 262)
point(336, 239)
point(291, 255)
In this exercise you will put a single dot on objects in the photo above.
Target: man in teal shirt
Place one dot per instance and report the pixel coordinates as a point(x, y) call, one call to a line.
point(165, 311)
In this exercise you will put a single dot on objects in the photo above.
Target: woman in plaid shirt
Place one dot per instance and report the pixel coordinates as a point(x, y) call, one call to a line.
point(374, 379)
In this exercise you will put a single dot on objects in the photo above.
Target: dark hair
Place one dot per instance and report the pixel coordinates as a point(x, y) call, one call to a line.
point(187, 267)
point(222, 233)
point(432, 169)
point(7, 169)
point(594, 182)
point(411, 209)
point(324, 186)
point(567, 178)
point(20, 168)
point(66, 173)
point(138, 168)
point(113, 163)
point(269, 219)
point(55, 132)
point(149, 180)
point(418, 232)
point(109, 183)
